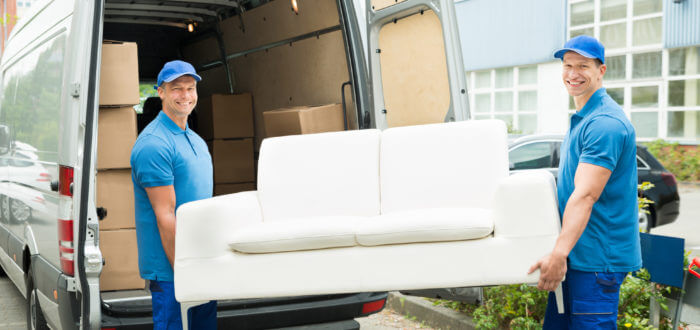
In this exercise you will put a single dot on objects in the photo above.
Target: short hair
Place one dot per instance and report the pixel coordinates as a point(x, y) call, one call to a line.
point(598, 62)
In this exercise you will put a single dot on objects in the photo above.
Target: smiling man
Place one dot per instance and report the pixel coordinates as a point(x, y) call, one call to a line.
point(597, 190)
point(171, 165)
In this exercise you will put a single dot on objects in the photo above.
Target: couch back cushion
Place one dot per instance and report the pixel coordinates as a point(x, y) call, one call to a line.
point(442, 165)
point(326, 174)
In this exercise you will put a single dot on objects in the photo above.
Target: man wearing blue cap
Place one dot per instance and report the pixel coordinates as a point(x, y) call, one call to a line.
point(597, 191)
point(170, 165)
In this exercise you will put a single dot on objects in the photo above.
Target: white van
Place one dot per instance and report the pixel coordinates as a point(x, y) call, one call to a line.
point(390, 62)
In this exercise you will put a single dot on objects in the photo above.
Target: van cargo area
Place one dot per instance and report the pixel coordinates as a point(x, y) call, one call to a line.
point(253, 57)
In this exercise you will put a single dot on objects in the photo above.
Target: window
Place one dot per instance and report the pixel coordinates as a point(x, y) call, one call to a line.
point(483, 79)
point(645, 97)
point(646, 65)
point(643, 7)
point(579, 32)
point(503, 101)
point(613, 36)
point(646, 32)
point(531, 156)
point(582, 13)
point(645, 124)
point(616, 67)
point(527, 75)
point(684, 124)
point(684, 93)
point(617, 94)
point(612, 9)
point(512, 97)
point(683, 61)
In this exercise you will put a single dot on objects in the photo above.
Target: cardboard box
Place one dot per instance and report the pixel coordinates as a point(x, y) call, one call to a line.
point(116, 135)
point(233, 160)
point(119, 74)
point(115, 192)
point(225, 116)
point(303, 120)
point(121, 269)
point(232, 188)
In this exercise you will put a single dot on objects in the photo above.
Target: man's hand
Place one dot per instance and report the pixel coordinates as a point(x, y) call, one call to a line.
point(552, 270)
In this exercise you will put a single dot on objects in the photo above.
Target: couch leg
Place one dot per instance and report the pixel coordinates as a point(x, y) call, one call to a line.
point(559, 296)
point(184, 307)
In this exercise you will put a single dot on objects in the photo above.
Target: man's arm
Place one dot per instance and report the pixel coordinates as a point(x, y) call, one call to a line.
point(163, 202)
point(589, 182)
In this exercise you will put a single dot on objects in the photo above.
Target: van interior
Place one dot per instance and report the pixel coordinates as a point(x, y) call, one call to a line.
point(285, 53)
point(284, 56)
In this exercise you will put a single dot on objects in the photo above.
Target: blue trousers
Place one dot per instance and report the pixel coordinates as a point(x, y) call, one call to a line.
point(590, 301)
point(166, 310)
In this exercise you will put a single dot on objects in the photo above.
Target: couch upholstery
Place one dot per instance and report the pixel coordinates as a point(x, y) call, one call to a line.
point(415, 207)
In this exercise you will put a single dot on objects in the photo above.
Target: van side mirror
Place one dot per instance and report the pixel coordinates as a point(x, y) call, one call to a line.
point(4, 139)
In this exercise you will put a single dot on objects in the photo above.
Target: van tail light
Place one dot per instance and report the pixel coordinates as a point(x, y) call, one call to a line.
point(668, 178)
point(373, 306)
point(65, 220)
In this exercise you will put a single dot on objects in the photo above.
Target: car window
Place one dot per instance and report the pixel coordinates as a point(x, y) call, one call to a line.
point(641, 164)
point(531, 156)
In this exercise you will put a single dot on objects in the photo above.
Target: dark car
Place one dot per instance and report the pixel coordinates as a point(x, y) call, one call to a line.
point(542, 152)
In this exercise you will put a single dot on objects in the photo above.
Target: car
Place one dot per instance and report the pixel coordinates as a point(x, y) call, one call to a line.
point(542, 152)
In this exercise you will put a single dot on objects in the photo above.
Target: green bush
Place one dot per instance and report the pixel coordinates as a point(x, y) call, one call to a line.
point(683, 162)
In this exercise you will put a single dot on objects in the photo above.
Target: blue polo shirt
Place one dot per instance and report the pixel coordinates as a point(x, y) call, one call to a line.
point(600, 134)
point(165, 155)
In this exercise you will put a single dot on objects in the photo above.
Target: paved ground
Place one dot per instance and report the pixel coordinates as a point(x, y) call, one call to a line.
point(12, 310)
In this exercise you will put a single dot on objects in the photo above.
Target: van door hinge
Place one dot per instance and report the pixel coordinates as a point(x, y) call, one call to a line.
point(75, 89)
point(70, 284)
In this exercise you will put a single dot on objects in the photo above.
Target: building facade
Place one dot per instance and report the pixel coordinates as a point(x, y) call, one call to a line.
point(652, 55)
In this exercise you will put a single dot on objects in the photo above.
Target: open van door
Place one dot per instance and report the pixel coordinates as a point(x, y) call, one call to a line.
point(415, 62)
point(417, 77)
point(86, 48)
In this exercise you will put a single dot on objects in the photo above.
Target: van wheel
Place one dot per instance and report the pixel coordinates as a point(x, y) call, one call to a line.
point(35, 317)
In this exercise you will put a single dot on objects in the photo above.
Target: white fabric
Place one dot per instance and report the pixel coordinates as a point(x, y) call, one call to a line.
point(442, 165)
point(456, 165)
point(296, 235)
point(425, 225)
point(523, 191)
point(326, 174)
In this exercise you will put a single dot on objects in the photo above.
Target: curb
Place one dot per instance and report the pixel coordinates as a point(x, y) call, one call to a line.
point(434, 316)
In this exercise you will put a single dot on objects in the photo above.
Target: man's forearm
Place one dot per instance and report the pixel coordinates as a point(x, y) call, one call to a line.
point(166, 227)
point(576, 215)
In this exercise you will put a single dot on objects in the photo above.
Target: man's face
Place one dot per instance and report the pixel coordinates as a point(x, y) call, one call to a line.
point(581, 75)
point(179, 96)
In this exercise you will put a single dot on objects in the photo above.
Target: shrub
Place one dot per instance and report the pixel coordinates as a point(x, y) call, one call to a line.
point(683, 162)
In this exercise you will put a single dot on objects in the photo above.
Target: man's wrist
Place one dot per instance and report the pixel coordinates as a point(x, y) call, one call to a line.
point(559, 253)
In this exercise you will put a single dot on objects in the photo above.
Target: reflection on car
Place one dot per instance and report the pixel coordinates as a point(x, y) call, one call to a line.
point(542, 152)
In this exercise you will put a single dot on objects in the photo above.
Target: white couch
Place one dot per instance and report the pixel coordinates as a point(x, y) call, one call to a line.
point(417, 207)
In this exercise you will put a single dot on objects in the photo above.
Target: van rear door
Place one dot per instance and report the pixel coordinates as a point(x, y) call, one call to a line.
point(415, 62)
point(88, 259)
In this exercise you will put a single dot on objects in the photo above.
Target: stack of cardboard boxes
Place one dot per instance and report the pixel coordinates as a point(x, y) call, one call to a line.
point(116, 134)
point(225, 121)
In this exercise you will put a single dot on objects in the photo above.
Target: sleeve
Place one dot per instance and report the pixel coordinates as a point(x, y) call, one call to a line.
point(151, 163)
point(603, 141)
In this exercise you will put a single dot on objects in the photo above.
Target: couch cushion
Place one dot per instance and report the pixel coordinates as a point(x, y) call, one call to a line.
point(425, 225)
point(326, 174)
point(442, 165)
point(296, 234)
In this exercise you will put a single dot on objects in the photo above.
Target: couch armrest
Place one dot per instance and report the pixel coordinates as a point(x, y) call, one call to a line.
point(204, 228)
point(525, 204)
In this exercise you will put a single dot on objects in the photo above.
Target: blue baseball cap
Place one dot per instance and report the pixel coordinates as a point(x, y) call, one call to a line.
point(584, 45)
point(176, 69)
